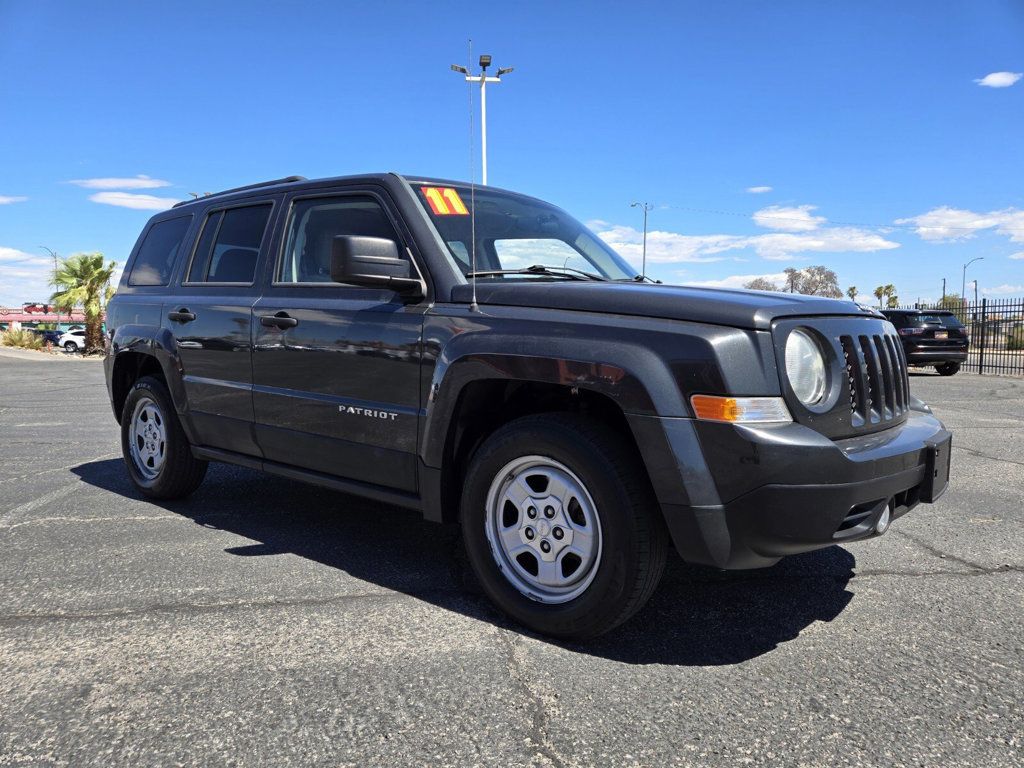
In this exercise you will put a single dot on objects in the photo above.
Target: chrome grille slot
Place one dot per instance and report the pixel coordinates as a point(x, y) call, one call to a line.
point(856, 381)
point(888, 378)
point(874, 374)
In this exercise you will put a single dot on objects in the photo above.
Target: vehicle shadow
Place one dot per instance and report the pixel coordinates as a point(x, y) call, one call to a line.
point(698, 616)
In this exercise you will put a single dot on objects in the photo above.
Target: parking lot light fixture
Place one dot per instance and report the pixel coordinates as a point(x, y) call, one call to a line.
point(483, 79)
point(963, 281)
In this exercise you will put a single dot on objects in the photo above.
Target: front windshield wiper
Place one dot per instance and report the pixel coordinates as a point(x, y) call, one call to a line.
point(638, 279)
point(541, 269)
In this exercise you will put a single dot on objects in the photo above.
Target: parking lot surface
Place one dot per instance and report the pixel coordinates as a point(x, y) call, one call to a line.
point(266, 622)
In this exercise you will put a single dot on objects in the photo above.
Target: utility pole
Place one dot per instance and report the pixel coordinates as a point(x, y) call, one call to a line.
point(53, 253)
point(963, 280)
point(943, 291)
point(483, 79)
point(648, 207)
point(975, 291)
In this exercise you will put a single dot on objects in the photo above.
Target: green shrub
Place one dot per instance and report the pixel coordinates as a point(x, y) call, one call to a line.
point(22, 338)
point(1016, 339)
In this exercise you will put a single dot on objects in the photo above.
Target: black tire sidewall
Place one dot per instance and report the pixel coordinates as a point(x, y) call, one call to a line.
point(606, 595)
point(155, 390)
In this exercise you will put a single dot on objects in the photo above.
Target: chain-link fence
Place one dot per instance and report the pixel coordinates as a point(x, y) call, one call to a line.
point(995, 328)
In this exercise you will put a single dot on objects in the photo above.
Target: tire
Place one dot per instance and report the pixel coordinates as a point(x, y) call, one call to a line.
point(161, 465)
point(610, 497)
point(70, 346)
point(947, 369)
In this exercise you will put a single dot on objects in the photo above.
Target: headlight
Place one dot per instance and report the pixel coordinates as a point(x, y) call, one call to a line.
point(805, 368)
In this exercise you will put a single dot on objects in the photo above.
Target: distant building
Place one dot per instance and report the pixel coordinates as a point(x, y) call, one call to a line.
point(33, 314)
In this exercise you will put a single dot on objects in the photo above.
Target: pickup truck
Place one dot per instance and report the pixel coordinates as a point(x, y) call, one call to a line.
point(482, 357)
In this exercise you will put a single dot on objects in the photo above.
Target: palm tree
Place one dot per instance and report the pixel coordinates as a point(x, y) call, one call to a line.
point(84, 280)
point(852, 292)
point(879, 293)
point(889, 291)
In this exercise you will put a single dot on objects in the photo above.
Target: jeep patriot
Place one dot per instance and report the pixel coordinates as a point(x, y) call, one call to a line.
point(481, 357)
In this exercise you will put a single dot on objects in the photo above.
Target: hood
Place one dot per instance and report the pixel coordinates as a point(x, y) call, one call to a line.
point(741, 309)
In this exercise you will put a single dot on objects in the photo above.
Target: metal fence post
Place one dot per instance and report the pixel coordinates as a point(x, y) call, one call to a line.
point(981, 348)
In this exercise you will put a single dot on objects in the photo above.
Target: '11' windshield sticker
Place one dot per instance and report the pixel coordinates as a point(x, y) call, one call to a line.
point(444, 201)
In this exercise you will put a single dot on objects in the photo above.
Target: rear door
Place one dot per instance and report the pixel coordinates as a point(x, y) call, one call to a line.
point(336, 367)
point(211, 319)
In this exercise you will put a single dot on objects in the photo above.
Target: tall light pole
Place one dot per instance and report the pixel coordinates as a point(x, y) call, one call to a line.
point(648, 207)
point(963, 281)
point(483, 79)
point(53, 253)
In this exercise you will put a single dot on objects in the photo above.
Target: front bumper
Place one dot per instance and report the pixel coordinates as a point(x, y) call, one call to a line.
point(755, 494)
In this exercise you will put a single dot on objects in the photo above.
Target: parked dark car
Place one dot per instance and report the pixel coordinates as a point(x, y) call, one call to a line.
point(53, 337)
point(482, 357)
point(931, 337)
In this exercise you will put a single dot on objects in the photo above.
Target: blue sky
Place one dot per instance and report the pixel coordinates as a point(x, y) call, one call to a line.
point(887, 160)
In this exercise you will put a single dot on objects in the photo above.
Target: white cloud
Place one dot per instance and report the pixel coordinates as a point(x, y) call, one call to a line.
point(946, 224)
point(796, 218)
point(8, 199)
point(999, 79)
point(672, 247)
point(738, 281)
point(1003, 290)
point(23, 277)
point(131, 182)
point(130, 200)
point(1017, 255)
point(758, 190)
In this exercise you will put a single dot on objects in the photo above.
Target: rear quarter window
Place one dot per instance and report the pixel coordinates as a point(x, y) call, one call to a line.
point(155, 260)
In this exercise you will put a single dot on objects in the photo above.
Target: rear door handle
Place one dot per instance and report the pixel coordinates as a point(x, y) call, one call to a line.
point(281, 320)
point(182, 315)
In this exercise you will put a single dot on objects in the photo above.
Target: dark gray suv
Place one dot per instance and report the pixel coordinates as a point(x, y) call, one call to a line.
point(480, 356)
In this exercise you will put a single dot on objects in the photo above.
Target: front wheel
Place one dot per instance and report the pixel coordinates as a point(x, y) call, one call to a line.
point(155, 447)
point(561, 526)
point(947, 369)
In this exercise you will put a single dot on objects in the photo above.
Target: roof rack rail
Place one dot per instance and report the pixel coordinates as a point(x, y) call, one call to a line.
point(271, 183)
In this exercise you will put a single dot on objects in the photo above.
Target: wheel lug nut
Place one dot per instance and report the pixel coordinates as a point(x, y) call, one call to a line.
point(549, 511)
point(545, 547)
point(531, 512)
point(557, 533)
point(529, 533)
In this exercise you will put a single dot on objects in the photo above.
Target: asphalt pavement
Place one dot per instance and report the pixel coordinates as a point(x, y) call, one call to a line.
point(266, 622)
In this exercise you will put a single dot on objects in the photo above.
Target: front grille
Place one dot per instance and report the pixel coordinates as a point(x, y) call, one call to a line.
point(876, 370)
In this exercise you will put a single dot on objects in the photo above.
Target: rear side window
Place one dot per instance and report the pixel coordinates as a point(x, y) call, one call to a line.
point(313, 226)
point(155, 260)
point(948, 321)
point(230, 245)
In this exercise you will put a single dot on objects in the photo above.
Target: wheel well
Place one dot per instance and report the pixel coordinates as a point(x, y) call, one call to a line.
point(129, 367)
point(485, 406)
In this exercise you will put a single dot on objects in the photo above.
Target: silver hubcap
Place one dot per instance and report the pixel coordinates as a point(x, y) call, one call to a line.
point(147, 438)
point(543, 529)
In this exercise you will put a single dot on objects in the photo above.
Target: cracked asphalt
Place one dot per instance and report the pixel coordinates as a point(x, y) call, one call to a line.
point(265, 622)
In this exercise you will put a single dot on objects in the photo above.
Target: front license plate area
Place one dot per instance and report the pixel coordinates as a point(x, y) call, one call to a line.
point(936, 477)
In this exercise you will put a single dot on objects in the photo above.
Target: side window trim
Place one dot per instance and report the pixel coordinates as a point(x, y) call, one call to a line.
point(266, 237)
point(316, 194)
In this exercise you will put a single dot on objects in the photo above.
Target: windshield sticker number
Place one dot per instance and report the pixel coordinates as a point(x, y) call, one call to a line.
point(445, 201)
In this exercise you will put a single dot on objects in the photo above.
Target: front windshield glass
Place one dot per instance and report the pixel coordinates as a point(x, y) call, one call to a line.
point(516, 233)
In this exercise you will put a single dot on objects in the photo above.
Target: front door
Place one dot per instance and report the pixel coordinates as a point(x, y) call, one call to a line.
point(336, 367)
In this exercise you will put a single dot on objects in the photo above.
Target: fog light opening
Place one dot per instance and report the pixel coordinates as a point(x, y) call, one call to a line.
point(884, 519)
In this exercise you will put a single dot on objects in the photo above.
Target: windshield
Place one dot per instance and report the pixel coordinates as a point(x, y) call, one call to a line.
point(515, 233)
point(949, 321)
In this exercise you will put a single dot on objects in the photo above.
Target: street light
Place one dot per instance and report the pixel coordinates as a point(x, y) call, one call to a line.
point(963, 281)
point(53, 253)
point(647, 209)
point(483, 79)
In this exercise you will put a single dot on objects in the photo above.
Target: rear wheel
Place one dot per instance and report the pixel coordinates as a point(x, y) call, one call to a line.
point(156, 450)
point(561, 526)
point(947, 369)
point(70, 346)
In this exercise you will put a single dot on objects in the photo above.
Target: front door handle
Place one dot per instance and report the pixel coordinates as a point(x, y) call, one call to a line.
point(182, 315)
point(281, 320)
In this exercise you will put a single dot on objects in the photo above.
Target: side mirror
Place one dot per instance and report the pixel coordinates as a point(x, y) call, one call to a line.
point(372, 262)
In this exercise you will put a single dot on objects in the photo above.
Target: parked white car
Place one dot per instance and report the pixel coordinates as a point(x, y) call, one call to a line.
point(73, 341)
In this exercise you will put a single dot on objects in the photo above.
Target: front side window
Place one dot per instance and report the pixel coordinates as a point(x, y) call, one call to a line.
point(155, 260)
point(312, 227)
point(513, 232)
point(229, 246)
